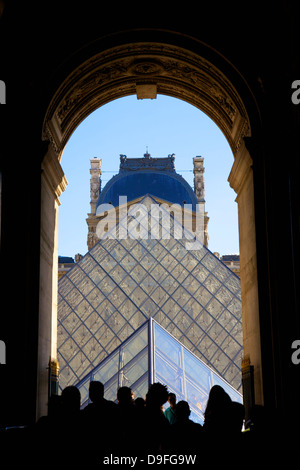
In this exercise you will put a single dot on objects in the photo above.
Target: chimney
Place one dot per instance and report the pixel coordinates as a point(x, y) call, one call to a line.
point(95, 182)
point(199, 190)
point(199, 178)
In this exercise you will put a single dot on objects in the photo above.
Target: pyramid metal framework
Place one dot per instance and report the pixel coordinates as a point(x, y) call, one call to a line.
point(152, 355)
point(120, 283)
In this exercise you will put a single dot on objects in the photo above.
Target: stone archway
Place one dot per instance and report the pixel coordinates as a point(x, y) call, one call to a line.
point(188, 72)
point(145, 69)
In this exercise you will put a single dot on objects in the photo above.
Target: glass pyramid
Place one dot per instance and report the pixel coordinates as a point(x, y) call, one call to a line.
point(120, 283)
point(151, 355)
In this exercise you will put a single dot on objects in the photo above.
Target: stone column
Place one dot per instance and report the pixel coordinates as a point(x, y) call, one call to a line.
point(95, 182)
point(95, 188)
point(199, 189)
point(53, 183)
point(241, 180)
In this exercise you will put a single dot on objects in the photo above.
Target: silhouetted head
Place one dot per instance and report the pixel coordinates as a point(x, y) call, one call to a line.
point(70, 399)
point(218, 405)
point(96, 391)
point(139, 402)
point(125, 396)
point(157, 395)
point(172, 399)
point(183, 410)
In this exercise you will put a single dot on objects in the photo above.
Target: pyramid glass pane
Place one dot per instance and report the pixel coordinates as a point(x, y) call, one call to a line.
point(120, 283)
point(184, 374)
point(151, 355)
point(126, 366)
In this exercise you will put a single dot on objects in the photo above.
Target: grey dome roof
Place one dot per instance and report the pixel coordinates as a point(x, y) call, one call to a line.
point(167, 186)
point(140, 176)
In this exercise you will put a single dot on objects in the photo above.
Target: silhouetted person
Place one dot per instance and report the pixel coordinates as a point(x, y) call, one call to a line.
point(98, 417)
point(185, 435)
point(125, 396)
point(140, 403)
point(126, 422)
point(170, 412)
point(69, 423)
point(70, 400)
point(96, 392)
point(46, 427)
point(99, 406)
point(216, 417)
point(156, 426)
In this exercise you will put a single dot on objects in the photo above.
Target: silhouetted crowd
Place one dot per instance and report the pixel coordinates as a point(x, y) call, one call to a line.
point(137, 426)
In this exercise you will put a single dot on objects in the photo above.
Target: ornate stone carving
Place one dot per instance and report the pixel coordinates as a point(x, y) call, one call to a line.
point(117, 71)
point(224, 101)
point(145, 67)
point(199, 178)
point(95, 182)
point(84, 87)
point(53, 174)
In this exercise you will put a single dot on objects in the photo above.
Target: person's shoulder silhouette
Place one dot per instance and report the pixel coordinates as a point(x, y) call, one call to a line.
point(185, 435)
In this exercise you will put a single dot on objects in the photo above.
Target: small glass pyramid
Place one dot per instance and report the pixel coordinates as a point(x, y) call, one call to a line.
point(122, 282)
point(151, 355)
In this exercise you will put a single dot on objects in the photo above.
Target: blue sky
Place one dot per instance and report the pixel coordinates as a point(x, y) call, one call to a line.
point(165, 125)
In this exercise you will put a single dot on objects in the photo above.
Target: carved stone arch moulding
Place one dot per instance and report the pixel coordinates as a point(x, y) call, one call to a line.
point(116, 72)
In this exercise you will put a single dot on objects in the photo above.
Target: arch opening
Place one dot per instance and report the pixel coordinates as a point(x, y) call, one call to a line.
point(147, 69)
point(167, 125)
